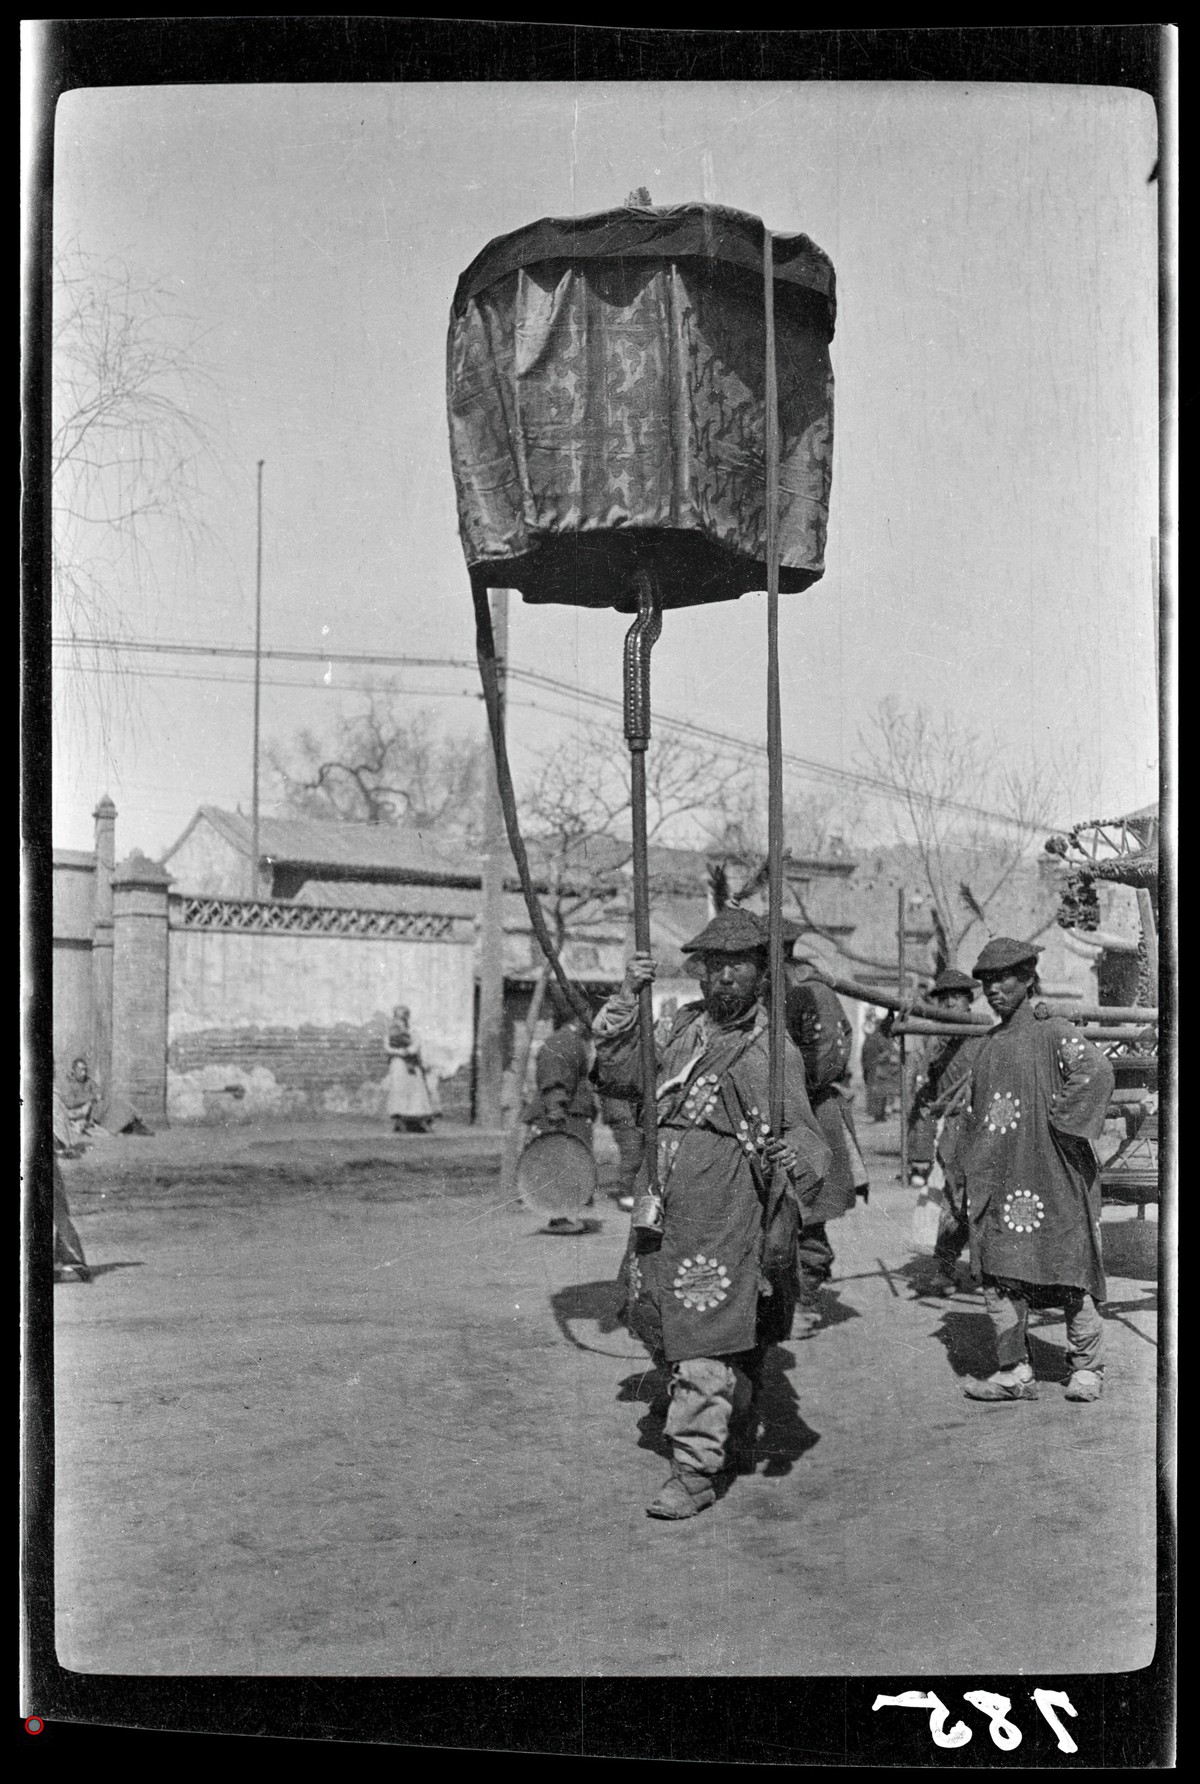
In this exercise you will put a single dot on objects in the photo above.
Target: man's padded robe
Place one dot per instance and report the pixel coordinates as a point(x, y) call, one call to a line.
point(944, 1090)
point(1039, 1095)
point(818, 1026)
point(722, 1277)
point(562, 1065)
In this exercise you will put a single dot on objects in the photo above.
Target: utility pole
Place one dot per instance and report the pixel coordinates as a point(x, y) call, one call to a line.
point(489, 1034)
point(253, 887)
point(901, 919)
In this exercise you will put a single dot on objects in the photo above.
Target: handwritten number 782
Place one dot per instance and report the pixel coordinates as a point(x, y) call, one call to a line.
point(1004, 1733)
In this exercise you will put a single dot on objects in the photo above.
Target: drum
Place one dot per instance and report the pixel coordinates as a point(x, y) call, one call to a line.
point(556, 1175)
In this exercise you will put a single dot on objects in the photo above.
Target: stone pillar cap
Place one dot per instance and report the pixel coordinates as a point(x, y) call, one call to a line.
point(138, 870)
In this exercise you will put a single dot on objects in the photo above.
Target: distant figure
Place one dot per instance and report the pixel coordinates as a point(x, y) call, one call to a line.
point(89, 1112)
point(622, 1118)
point(564, 1102)
point(818, 1026)
point(70, 1265)
point(937, 1112)
point(926, 1060)
point(409, 1102)
point(880, 1070)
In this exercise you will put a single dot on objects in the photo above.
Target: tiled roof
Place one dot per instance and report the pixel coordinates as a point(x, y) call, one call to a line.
point(373, 848)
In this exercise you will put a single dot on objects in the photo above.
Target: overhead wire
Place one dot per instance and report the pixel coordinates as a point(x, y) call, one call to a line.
point(804, 766)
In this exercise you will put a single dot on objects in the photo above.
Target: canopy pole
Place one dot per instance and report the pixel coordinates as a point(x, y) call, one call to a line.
point(489, 675)
point(778, 1029)
point(639, 641)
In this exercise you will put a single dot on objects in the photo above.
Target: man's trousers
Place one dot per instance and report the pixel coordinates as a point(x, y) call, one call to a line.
point(1008, 1305)
point(708, 1394)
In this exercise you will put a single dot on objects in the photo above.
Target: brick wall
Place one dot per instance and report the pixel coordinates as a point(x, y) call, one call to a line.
point(239, 1074)
point(294, 1023)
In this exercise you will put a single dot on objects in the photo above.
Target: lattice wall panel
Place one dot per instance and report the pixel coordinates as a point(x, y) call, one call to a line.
point(257, 916)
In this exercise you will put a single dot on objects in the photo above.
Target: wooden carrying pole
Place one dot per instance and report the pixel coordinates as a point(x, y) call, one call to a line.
point(1091, 1031)
point(774, 719)
point(489, 1033)
point(922, 1007)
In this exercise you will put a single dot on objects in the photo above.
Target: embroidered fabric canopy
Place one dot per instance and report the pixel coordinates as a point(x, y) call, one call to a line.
point(606, 396)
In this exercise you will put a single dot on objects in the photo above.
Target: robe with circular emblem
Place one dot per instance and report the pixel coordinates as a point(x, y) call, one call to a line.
point(1039, 1095)
point(722, 1277)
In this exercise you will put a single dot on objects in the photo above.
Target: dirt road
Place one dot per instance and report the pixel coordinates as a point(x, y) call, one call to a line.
point(330, 1407)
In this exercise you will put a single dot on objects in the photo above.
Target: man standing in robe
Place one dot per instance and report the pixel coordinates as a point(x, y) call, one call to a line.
point(409, 1103)
point(880, 1069)
point(1039, 1095)
point(564, 1102)
point(937, 1113)
point(717, 1286)
point(819, 1028)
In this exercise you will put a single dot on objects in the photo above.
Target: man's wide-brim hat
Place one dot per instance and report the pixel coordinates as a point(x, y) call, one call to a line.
point(951, 981)
point(730, 932)
point(1001, 953)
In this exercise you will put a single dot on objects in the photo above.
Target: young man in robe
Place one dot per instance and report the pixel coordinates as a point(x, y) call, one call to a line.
point(717, 1285)
point(935, 1123)
point(1039, 1094)
point(821, 1031)
point(563, 1102)
point(880, 1069)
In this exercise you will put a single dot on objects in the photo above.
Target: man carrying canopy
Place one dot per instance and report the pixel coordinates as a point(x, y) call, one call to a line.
point(718, 1285)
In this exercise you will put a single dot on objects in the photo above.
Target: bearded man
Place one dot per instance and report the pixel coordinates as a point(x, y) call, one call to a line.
point(717, 1285)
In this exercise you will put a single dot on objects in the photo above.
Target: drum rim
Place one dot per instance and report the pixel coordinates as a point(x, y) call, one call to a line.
point(574, 1141)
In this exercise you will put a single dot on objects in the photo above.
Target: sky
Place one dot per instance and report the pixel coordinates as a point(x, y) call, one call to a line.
point(995, 482)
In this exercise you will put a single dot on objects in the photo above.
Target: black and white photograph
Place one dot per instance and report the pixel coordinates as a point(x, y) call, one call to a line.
point(599, 701)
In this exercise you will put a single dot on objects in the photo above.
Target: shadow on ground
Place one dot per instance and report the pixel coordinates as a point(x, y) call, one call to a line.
point(971, 1350)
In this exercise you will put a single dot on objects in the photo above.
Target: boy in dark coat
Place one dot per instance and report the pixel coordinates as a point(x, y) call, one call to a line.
point(1039, 1095)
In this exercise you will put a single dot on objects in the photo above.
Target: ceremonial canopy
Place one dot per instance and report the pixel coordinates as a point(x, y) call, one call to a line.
point(606, 395)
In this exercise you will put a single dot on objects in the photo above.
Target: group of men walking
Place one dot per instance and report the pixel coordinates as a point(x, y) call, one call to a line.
point(739, 1240)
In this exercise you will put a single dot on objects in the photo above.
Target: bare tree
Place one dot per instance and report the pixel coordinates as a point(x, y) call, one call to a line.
point(127, 444)
point(577, 809)
point(128, 449)
point(382, 765)
point(971, 811)
point(814, 824)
